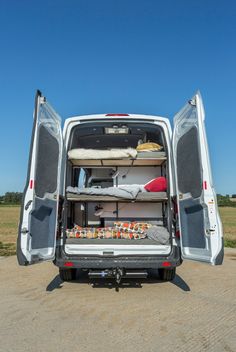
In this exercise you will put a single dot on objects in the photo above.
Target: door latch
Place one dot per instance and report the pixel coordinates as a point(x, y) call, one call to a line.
point(24, 230)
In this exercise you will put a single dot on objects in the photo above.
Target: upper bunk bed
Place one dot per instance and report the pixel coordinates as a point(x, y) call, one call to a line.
point(115, 157)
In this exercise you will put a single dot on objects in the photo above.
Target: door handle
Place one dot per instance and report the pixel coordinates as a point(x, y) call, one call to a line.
point(28, 204)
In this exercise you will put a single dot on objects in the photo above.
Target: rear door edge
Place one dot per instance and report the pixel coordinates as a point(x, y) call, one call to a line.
point(20, 256)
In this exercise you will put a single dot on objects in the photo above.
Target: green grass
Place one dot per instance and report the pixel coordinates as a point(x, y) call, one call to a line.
point(228, 217)
point(9, 218)
point(7, 249)
point(230, 243)
point(9, 205)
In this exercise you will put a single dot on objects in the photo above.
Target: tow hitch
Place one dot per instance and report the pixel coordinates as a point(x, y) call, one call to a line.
point(117, 274)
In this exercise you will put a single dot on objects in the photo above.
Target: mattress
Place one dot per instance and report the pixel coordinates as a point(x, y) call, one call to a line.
point(141, 197)
point(120, 157)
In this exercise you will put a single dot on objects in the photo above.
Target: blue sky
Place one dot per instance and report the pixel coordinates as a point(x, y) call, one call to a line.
point(134, 56)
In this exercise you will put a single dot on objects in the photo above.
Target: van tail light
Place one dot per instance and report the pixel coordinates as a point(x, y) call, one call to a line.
point(31, 184)
point(68, 264)
point(177, 234)
point(205, 185)
point(166, 264)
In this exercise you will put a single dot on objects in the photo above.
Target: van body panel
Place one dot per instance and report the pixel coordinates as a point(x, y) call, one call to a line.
point(38, 223)
point(200, 224)
point(125, 261)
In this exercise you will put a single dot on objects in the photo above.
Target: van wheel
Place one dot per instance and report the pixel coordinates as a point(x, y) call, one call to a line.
point(167, 274)
point(67, 274)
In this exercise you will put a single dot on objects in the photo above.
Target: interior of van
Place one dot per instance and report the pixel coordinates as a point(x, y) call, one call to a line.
point(117, 189)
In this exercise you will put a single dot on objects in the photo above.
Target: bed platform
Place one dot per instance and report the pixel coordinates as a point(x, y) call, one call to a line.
point(119, 162)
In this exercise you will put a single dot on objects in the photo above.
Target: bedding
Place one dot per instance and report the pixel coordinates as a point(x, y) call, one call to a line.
point(88, 154)
point(125, 191)
point(159, 234)
point(158, 184)
point(141, 197)
point(119, 231)
point(149, 146)
point(122, 230)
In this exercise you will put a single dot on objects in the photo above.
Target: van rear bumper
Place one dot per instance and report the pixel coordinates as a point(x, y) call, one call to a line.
point(129, 262)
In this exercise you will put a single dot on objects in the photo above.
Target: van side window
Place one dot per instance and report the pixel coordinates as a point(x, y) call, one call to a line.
point(47, 163)
point(189, 165)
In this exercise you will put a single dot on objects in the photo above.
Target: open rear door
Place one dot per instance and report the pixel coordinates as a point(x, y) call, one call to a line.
point(200, 225)
point(38, 221)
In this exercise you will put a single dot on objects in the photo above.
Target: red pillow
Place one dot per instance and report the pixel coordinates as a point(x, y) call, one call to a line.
point(159, 184)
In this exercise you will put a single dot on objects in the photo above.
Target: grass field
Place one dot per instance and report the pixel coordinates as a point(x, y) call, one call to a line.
point(228, 217)
point(9, 217)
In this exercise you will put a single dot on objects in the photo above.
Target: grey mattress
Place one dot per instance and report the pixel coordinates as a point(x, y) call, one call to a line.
point(141, 197)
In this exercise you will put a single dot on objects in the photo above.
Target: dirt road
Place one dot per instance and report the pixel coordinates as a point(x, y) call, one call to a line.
point(197, 312)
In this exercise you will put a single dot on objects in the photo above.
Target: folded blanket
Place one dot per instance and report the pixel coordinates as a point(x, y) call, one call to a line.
point(125, 191)
point(150, 146)
point(159, 234)
point(81, 153)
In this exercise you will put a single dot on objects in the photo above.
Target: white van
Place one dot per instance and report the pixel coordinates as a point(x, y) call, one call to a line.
point(68, 217)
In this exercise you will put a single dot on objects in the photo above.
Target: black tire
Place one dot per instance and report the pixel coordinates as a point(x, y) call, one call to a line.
point(167, 274)
point(67, 274)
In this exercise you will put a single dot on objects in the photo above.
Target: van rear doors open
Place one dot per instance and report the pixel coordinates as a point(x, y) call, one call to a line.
point(38, 222)
point(200, 225)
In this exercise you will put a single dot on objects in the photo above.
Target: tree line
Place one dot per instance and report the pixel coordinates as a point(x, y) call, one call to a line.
point(225, 201)
point(11, 198)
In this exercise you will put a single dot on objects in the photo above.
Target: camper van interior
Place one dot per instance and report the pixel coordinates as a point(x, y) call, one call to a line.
point(117, 187)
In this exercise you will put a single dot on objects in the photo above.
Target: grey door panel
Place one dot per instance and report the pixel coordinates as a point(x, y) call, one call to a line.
point(192, 220)
point(189, 163)
point(47, 163)
point(42, 227)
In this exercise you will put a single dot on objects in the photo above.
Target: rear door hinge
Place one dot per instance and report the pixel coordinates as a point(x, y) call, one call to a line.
point(192, 102)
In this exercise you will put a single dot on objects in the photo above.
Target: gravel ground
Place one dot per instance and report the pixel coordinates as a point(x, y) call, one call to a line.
point(196, 312)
